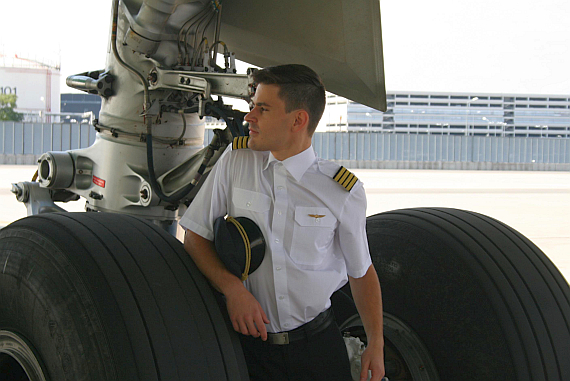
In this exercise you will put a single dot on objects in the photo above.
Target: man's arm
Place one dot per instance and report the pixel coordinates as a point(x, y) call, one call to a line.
point(368, 299)
point(244, 310)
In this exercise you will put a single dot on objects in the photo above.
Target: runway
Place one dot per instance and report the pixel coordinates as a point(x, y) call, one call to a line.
point(537, 204)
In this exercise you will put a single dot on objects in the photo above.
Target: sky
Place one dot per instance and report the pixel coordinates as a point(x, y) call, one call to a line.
point(490, 46)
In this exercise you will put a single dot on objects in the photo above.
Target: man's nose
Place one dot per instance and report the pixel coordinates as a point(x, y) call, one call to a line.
point(249, 117)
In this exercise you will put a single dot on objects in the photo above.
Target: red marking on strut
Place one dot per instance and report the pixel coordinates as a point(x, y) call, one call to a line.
point(98, 181)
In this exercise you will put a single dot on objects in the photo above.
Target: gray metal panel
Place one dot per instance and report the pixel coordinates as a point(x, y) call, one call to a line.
point(18, 138)
point(332, 145)
point(75, 137)
point(340, 39)
point(47, 137)
point(37, 134)
point(84, 135)
point(9, 138)
point(374, 146)
point(92, 136)
point(2, 128)
point(57, 137)
point(65, 137)
point(352, 146)
point(27, 138)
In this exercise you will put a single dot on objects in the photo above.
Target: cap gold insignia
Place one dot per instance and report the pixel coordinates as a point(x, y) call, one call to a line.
point(345, 178)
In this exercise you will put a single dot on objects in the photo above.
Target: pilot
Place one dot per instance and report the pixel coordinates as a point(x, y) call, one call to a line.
point(311, 213)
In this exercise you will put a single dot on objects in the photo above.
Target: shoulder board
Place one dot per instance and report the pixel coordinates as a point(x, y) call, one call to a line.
point(345, 178)
point(240, 142)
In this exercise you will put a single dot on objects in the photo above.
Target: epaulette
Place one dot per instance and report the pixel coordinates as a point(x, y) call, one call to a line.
point(345, 178)
point(240, 142)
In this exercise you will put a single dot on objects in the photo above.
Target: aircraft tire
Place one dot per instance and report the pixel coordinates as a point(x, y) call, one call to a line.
point(484, 300)
point(101, 296)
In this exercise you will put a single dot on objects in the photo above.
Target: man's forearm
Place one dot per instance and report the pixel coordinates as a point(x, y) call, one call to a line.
point(244, 310)
point(368, 299)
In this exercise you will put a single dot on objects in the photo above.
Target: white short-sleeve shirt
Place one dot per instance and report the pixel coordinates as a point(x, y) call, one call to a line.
point(314, 228)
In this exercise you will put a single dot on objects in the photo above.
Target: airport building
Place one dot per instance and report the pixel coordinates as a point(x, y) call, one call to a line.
point(464, 114)
point(35, 81)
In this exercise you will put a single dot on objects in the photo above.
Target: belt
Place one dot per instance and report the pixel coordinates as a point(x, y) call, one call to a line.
point(317, 325)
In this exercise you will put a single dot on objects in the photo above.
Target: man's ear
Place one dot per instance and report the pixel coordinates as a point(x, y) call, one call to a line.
point(301, 121)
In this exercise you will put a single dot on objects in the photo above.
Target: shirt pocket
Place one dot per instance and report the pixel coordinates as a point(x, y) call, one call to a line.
point(313, 234)
point(250, 202)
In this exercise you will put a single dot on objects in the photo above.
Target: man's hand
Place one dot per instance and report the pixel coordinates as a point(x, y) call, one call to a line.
point(246, 313)
point(244, 310)
point(373, 360)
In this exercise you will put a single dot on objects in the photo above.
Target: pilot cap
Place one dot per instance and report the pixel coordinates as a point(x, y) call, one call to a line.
point(239, 244)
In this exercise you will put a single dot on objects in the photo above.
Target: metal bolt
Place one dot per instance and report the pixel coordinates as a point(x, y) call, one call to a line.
point(16, 190)
point(144, 194)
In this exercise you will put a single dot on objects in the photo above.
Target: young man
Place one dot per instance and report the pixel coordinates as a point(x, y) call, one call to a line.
point(312, 215)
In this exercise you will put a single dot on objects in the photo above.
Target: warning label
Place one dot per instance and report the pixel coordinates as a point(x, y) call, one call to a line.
point(98, 181)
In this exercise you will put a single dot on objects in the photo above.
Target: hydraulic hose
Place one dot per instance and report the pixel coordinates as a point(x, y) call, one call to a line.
point(177, 196)
point(146, 104)
point(235, 128)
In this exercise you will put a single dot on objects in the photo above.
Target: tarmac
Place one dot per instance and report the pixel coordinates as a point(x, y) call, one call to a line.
point(537, 204)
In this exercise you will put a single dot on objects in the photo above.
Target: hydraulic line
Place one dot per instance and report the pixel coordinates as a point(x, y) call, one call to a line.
point(182, 34)
point(235, 128)
point(196, 36)
point(176, 197)
point(217, 32)
point(146, 104)
point(187, 37)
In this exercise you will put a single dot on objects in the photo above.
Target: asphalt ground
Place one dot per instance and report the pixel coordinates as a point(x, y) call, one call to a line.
point(537, 204)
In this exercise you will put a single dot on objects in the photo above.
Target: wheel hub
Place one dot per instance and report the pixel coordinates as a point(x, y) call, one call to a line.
point(17, 359)
point(405, 356)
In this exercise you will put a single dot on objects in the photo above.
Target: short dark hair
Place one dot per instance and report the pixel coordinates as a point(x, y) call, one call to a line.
point(300, 87)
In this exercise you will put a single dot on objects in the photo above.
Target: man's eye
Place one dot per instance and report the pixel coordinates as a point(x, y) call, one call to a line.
point(263, 109)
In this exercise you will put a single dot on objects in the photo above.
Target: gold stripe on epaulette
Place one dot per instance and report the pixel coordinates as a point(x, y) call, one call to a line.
point(240, 142)
point(345, 178)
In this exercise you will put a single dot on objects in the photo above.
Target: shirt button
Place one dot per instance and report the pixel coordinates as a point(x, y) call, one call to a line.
point(281, 297)
point(278, 268)
point(248, 204)
point(277, 240)
point(286, 325)
point(279, 212)
point(280, 188)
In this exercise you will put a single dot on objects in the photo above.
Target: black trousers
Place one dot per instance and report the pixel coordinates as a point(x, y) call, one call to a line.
point(319, 357)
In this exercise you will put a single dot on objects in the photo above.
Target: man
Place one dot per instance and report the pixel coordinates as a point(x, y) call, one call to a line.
point(313, 220)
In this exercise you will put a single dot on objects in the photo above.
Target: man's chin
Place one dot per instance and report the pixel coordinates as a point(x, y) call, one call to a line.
point(253, 144)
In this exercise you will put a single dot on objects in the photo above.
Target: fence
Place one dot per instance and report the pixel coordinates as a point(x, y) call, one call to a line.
point(379, 147)
point(22, 143)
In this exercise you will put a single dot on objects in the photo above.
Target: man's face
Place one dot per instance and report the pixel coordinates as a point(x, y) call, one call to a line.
point(269, 124)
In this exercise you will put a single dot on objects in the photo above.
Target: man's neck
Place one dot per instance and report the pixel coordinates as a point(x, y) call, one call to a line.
point(292, 150)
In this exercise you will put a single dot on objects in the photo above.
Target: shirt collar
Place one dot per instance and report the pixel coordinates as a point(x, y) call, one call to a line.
point(296, 165)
